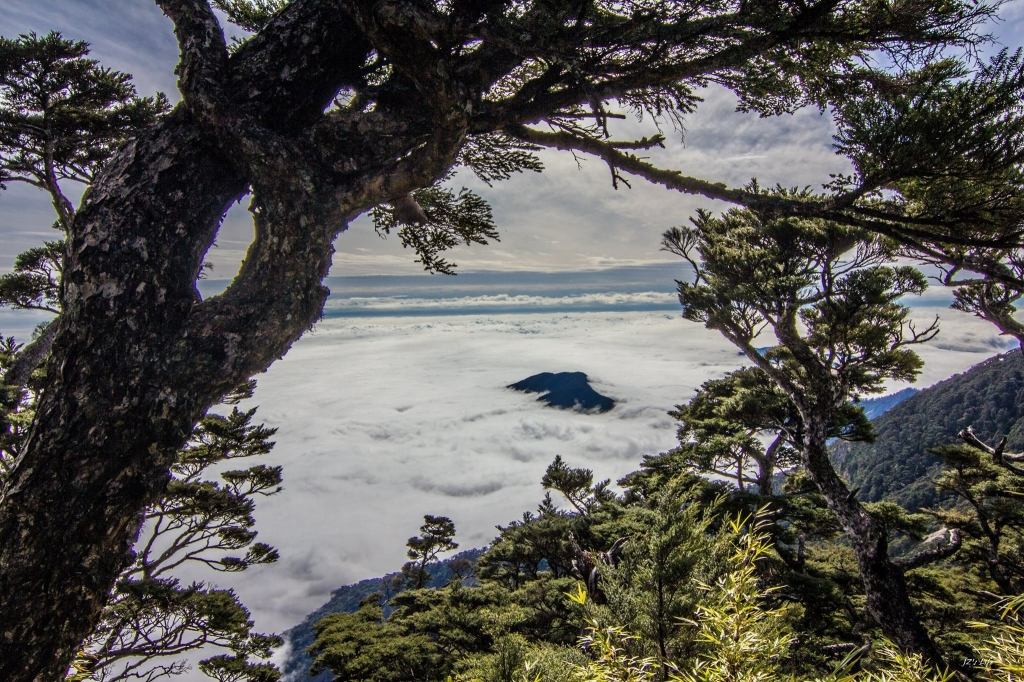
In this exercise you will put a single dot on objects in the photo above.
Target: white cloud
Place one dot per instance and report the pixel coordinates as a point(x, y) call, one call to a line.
point(384, 420)
point(498, 302)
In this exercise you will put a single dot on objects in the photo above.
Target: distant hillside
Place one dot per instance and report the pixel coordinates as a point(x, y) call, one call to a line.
point(876, 407)
point(897, 467)
point(346, 600)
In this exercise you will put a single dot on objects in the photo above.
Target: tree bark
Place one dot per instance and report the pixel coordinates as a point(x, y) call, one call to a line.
point(766, 466)
point(30, 357)
point(137, 357)
point(107, 423)
point(884, 583)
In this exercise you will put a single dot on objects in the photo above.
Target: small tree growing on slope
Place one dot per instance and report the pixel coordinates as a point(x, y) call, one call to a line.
point(438, 536)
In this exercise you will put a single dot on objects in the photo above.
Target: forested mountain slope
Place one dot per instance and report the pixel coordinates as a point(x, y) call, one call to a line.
point(346, 600)
point(898, 467)
point(876, 407)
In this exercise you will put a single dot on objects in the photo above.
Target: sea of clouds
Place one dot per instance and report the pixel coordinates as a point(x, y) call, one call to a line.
point(499, 304)
point(384, 420)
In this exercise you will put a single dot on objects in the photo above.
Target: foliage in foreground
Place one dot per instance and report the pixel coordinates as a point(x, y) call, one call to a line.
point(747, 641)
point(671, 574)
point(740, 628)
point(152, 618)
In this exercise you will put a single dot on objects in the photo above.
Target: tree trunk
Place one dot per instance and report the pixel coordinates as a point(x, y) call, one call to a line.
point(113, 412)
point(137, 357)
point(766, 466)
point(884, 584)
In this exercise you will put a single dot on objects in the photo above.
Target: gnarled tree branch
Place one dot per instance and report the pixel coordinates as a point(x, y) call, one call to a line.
point(947, 543)
point(202, 70)
point(31, 356)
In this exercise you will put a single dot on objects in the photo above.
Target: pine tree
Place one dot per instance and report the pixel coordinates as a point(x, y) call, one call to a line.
point(438, 533)
point(991, 510)
point(526, 547)
point(722, 426)
point(829, 296)
point(62, 115)
point(651, 589)
point(517, 623)
point(576, 485)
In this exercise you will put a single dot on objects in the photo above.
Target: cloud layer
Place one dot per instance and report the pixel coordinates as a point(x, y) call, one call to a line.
point(499, 303)
point(384, 420)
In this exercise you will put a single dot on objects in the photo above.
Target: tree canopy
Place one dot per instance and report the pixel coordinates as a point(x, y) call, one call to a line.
point(437, 537)
point(63, 114)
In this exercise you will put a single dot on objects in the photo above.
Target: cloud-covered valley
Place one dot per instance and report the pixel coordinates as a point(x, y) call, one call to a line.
point(501, 303)
point(384, 420)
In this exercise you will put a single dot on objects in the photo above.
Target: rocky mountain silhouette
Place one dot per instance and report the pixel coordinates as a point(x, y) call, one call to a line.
point(570, 390)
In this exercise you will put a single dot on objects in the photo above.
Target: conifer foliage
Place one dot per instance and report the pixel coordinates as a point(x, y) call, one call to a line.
point(152, 618)
point(990, 513)
point(698, 594)
point(62, 114)
point(437, 537)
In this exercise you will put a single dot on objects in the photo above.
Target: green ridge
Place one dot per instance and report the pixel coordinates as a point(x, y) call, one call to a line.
point(898, 467)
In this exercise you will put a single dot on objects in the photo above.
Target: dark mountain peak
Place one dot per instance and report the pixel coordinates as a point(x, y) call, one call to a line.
point(565, 389)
